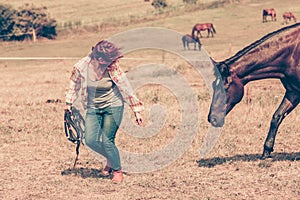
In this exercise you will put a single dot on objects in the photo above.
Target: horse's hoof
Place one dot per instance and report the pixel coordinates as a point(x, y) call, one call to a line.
point(266, 154)
point(263, 157)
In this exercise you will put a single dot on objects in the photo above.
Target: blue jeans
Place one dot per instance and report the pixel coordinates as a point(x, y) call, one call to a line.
point(101, 126)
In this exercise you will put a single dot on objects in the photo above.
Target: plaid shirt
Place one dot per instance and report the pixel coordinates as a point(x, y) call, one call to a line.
point(78, 81)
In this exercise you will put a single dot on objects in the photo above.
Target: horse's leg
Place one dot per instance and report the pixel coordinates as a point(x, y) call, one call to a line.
point(199, 33)
point(199, 45)
point(273, 17)
point(264, 18)
point(289, 102)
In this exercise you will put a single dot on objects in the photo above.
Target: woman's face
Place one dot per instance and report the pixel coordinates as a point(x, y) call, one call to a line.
point(95, 63)
point(97, 67)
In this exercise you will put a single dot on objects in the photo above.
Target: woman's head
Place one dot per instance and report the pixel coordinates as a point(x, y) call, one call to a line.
point(105, 53)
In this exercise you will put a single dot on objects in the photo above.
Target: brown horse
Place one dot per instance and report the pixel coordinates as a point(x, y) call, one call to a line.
point(187, 39)
point(203, 27)
point(288, 16)
point(276, 55)
point(269, 12)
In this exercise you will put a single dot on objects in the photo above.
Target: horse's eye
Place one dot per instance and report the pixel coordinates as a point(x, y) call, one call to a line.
point(226, 86)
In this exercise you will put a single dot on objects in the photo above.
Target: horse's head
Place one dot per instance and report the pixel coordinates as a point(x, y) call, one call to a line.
point(227, 92)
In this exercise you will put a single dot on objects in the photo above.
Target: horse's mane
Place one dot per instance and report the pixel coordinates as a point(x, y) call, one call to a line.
point(256, 43)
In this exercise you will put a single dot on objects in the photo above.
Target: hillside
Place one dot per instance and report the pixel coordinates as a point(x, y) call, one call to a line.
point(237, 24)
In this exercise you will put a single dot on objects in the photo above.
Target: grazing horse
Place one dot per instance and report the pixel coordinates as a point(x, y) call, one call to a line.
point(276, 55)
point(288, 16)
point(269, 12)
point(187, 39)
point(202, 27)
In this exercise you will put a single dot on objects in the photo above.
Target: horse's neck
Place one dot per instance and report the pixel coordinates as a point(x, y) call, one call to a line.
point(268, 58)
point(259, 64)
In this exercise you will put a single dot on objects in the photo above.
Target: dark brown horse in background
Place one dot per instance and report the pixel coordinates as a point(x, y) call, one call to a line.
point(187, 39)
point(288, 16)
point(276, 55)
point(203, 27)
point(269, 12)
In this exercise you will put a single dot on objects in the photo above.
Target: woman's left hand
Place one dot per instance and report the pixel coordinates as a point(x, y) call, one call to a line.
point(138, 118)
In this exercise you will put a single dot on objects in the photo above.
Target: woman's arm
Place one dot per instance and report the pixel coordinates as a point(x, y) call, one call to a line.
point(120, 79)
point(74, 87)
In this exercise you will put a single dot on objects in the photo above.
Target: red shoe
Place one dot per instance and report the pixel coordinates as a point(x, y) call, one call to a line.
point(117, 176)
point(106, 171)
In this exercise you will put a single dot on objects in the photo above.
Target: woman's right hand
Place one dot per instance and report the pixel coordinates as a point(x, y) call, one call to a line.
point(138, 118)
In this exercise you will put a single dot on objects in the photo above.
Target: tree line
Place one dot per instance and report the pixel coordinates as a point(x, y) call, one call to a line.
point(26, 22)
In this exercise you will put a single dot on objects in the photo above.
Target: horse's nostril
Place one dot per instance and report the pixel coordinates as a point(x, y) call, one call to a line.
point(213, 121)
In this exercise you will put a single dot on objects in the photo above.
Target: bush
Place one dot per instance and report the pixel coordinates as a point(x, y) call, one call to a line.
point(26, 22)
point(36, 19)
point(157, 4)
point(190, 1)
point(7, 16)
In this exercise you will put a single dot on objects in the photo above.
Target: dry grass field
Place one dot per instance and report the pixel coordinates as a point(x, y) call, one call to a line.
point(36, 159)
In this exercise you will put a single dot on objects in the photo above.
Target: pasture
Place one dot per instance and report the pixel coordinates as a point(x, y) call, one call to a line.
point(36, 159)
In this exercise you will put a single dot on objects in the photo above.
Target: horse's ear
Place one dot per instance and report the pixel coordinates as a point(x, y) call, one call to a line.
point(229, 80)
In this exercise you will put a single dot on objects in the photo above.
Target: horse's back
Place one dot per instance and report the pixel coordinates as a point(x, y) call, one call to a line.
point(202, 26)
point(186, 37)
point(288, 38)
point(270, 11)
point(288, 15)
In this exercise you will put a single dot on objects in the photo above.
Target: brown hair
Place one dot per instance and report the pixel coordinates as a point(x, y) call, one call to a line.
point(105, 53)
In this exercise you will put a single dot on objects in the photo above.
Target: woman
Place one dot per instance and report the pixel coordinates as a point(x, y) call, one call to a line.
point(104, 87)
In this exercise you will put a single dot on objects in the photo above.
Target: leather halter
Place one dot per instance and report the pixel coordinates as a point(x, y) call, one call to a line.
point(73, 125)
point(225, 74)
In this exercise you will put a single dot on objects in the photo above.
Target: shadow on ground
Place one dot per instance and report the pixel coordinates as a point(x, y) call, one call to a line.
point(212, 162)
point(84, 172)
